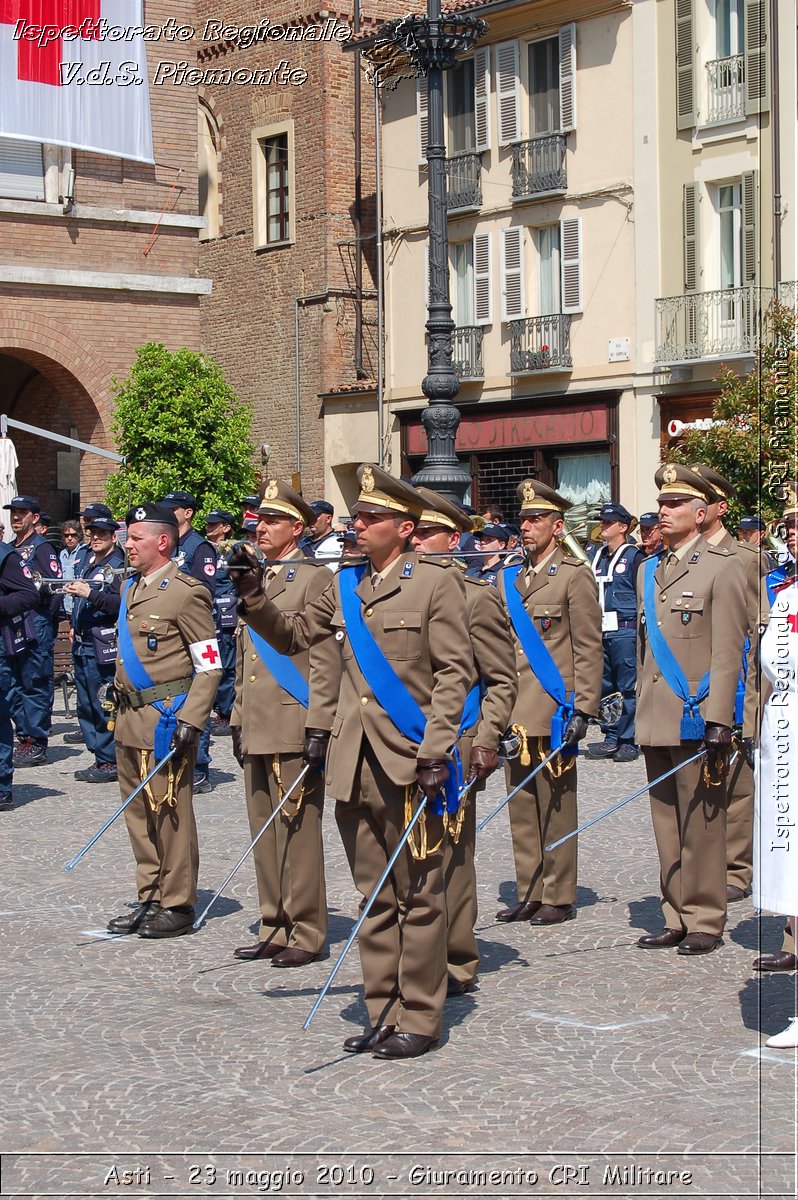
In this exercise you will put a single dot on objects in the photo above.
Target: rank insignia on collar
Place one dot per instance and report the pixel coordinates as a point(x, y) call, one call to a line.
point(695, 557)
point(407, 570)
point(545, 623)
point(553, 569)
point(290, 574)
point(686, 617)
point(163, 585)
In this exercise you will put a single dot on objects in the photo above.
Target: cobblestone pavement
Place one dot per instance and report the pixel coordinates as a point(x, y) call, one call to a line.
point(578, 1050)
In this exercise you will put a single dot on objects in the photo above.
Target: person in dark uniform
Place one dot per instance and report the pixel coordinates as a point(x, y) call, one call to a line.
point(94, 612)
point(651, 541)
point(219, 527)
point(490, 541)
point(753, 531)
point(28, 676)
point(615, 563)
point(17, 597)
point(195, 556)
point(323, 542)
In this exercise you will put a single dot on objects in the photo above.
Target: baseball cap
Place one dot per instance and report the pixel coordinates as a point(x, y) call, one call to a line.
point(322, 506)
point(96, 510)
point(649, 519)
point(180, 500)
point(25, 504)
point(614, 512)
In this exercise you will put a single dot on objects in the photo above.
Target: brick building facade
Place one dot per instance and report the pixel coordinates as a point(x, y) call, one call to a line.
point(291, 317)
point(80, 292)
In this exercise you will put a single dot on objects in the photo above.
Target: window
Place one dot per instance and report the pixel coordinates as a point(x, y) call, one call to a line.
point(21, 170)
point(461, 257)
point(467, 107)
point(208, 173)
point(273, 181)
point(544, 87)
point(460, 106)
point(547, 246)
point(728, 28)
point(728, 207)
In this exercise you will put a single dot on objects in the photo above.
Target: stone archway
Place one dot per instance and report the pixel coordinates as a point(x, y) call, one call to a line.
point(50, 379)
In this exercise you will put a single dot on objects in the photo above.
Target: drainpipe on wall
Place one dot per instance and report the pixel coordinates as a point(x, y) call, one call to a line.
point(380, 286)
point(358, 213)
point(775, 133)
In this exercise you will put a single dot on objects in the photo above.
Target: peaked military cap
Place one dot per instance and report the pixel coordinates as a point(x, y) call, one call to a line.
point(158, 514)
point(535, 497)
point(675, 480)
point(282, 501)
point(381, 493)
point(719, 485)
point(440, 511)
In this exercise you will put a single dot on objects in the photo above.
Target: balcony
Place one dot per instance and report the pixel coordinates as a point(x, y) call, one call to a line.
point(540, 344)
point(463, 183)
point(539, 166)
point(725, 89)
point(722, 324)
point(788, 294)
point(467, 352)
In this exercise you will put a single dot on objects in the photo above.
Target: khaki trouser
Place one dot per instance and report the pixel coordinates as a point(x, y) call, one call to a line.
point(289, 858)
point(402, 942)
point(740, 825)
point(164, 842)
point(689, 820)
point(540, 814)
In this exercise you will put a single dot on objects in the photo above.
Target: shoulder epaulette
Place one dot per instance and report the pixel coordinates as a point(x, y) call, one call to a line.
point(475, 581)
point(445, 563)
point(722, 550)
point(746, 548)
point(570, 560)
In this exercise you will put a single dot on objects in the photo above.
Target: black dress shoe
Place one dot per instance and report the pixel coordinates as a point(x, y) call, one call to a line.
point(404, 1045)
point(553, 914)
point(169, 922)
point(734, 893)
point(782, 961)
point(660, 941)
point(518, 912)
point(368, 1040)
point(700, 943)
point(130, 922)
point(459, 987)
point(259, 950)
point(292, 956)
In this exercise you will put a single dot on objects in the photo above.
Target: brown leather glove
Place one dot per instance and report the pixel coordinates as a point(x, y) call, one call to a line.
point(431, 774)
point(315, 752)
point(482, 762)
point(249, 581)
point(238, 751)
point(717, 737)
point(575, 730)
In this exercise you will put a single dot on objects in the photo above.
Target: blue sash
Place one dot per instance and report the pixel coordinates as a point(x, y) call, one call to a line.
point(391, 694)
point(282, 670)
point(692, 724)
point(742, 678)
point(775, 578)
point(543, 665)
point(140, 678)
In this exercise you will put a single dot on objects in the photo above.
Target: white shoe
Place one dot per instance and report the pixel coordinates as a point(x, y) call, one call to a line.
point(787, 1037)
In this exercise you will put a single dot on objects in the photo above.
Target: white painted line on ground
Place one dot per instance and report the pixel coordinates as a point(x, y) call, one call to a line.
point(556, 1019)
point(764, 1052)
point(102, 935)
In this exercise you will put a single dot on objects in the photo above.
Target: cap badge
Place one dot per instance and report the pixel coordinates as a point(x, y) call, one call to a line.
point(367, 480)
point(528, 495)
point(140, 514)
point(670, 474)
point(272, 490)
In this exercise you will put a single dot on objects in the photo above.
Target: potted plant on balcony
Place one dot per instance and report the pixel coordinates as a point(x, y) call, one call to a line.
point(541, 358)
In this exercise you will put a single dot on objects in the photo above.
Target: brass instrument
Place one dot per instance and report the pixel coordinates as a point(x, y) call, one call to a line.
point(774, 539)
point(569, 542)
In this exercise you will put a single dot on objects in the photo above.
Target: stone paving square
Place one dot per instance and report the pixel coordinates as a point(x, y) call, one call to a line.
point(578, 1055)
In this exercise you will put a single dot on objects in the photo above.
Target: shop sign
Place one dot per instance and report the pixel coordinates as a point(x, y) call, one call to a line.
point(568, 425)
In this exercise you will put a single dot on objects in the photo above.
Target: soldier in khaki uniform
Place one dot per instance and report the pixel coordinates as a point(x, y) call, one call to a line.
point(415, 612)
point(170, 629)
point(560, 597)
point(699, 599)
point(740, 786)
point(270, 723)
point(438, 532)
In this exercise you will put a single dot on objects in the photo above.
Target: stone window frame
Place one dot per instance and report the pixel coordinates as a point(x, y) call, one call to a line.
point(261, 134)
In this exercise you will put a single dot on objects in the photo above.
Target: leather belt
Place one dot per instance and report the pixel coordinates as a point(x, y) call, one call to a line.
point(160, 691)
point(627, 622)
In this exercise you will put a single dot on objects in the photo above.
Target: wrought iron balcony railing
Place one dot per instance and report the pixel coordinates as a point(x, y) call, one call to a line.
point(710, 324)
point(539, 166)
point(467, 352)
point(463, 182)
point(725, 89)
point(540, 344)
point(788, 294)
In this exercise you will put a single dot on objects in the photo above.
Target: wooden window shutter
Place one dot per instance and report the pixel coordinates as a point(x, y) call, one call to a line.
point(508, 92)
point(568, 77)
point(513, 307)
point(482, 98)
point(422, 108)
point(757, 54)
point(749, 193)
point(685, 65)
point(690, 228)
point(483, 289)
point(571, 264)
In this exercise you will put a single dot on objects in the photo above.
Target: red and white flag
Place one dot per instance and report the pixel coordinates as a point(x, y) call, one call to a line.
point(74, 73)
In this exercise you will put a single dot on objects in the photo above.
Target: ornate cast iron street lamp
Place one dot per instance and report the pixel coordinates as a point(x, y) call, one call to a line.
point(432, 43)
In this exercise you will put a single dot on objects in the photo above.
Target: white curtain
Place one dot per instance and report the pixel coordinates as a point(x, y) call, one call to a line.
point(8, 483)
point(584, 478)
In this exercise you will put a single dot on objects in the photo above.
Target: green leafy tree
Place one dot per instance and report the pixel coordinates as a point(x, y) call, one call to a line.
point(180, 426)
point(756, 445)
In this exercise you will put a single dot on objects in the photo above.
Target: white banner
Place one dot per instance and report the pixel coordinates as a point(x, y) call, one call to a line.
point(74, 73)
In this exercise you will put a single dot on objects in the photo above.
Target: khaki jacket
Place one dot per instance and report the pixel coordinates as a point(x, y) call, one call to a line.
point(418, 618)
point(703, 616)
point(175, 611)
point(494, 658)
point(562, 600)
point(271, 720)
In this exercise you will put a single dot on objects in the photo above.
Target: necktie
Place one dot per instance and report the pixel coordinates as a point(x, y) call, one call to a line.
point(376, 580)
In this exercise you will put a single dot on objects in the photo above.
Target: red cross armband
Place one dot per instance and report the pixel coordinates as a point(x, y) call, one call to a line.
point(205, 655)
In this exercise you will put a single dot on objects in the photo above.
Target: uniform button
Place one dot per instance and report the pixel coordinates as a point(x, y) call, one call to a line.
point(654, 678)
point(518, 673)
point(253, 678)
point(401, 622)
point(659, 623)
point(664, 596)
point(254, 658)
point(678, 601)
point(364, 700)
point(369, 611)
